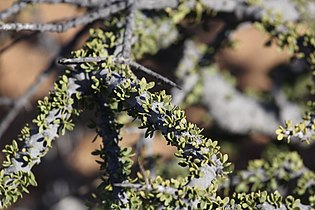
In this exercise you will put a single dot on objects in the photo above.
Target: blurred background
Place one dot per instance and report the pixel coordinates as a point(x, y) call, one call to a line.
point(252, 89)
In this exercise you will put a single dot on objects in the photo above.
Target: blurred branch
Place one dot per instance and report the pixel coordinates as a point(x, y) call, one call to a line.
point(80, 3)
point(242, 12)
point(14, 9)
point(191, 56)
point(232, 110)
point(65, 25)
point(142, 4)
point(5, 101)
point(20, 5)
point(130, 25)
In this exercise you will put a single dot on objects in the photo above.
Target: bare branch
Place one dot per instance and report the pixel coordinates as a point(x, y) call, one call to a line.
point(65, 25)
point(130, 25)
point(20, 5)
point(144, 69)
point(80, 3)
point(135, 65)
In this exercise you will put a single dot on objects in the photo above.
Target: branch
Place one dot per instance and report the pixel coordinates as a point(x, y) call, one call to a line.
point(4, 101)
point(130, 25)
point(142, 4)
point(192, 54)
point(238, 7)
point(135, 65)
point(65, 25)
point(20, 5)
point(80, 3)
point(232, 110)
point(15, 8)
point(114, 160)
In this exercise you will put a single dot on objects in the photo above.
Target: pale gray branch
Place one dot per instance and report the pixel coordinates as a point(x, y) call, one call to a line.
point(65, 25)
point(130, 25)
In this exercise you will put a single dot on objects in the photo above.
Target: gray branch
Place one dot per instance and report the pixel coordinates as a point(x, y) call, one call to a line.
point(4, 101)
point(65, 25)
point(130, 25)
point(234, 111)
point(14, 9)
point(133, 64)
point(239, 8)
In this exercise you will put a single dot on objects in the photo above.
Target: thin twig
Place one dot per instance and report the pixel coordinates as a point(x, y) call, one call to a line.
point(65, 25)
point(120, 60)
point(148, 71)
point(20, 5)
point(142, 170)
point(130, 25)
point(142, 4)
point(80, 3)
point(14, 9)
point(22, 101)
point(5, 101)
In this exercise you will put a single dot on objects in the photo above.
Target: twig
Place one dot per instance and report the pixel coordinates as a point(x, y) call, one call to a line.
point(142, 170)
point(65, 25)
point(144, 69)
point(22, 101)
point(18, 6)
point(14, 9)
point(135, 65)
point(80, 3)
point(5, 101)
point(142, 4)
point(130, 25)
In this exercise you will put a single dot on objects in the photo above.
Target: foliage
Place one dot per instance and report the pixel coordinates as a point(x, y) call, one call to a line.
point(108, 86)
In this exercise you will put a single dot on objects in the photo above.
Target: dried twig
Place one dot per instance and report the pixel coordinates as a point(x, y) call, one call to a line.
point(133, 64)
